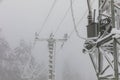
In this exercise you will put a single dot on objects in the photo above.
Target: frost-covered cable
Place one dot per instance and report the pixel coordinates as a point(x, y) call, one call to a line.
point(50, 11)
point(75, 26)
point(65, 15)
point(85, 13)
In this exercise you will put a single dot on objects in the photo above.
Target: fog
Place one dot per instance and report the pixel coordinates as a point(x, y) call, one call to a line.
point(20, 19)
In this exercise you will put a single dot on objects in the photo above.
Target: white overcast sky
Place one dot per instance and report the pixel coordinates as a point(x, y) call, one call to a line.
point(20, 19)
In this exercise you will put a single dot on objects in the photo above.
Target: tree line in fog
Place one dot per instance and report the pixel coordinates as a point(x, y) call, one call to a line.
point(19, 64)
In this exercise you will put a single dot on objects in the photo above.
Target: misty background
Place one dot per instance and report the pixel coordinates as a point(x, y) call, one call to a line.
point(20, 19)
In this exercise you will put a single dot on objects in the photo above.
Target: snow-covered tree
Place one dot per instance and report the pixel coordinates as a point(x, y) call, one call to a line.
point(19, 64)
point(29, 68)
point(8, 71)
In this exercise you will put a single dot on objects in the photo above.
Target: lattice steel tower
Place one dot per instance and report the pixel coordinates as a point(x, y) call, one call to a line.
point(103, 43)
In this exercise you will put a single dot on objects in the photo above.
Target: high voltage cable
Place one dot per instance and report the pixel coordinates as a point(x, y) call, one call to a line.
point(65, 15)
point(51, 9)
point(74, 29)
point(62, 21)
point(42, 26)
point(78, 23)
point(75, 26)
point(80, 20)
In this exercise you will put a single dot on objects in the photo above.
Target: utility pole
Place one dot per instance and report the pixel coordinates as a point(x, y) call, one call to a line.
point(51, 46)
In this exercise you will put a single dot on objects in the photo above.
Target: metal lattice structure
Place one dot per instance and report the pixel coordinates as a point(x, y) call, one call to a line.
point(52, 46)
point(103, 45)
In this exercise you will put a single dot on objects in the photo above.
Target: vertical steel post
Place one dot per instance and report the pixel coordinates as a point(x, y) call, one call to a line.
point(113, 13)
point(100, 63)
point(99, 54)
point(114, 43)
point(115, 60)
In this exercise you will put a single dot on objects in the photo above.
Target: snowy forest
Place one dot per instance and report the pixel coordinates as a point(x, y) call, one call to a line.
point(18, 63)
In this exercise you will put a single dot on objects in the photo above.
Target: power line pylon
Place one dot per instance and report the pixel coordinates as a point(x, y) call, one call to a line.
point(103, 43)
point(52, 46)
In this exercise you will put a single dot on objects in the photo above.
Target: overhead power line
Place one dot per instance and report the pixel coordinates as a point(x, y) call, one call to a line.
point(75, 26)
point(45, 21)
point(49, 13)
point(85, 13)
point(65, 15)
